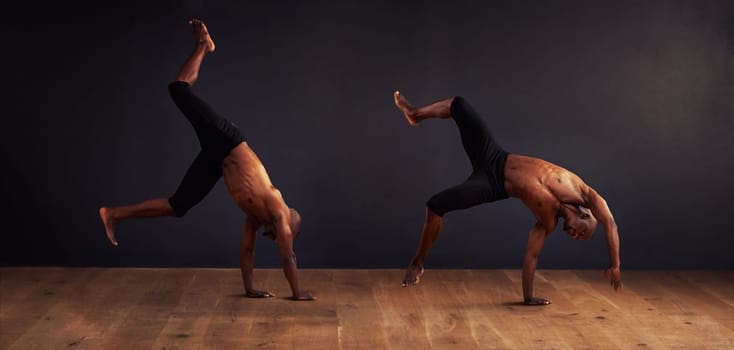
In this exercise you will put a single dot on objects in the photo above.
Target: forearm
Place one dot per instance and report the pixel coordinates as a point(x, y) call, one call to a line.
point(601, 211)
point(613, 273)
point(613, 244)
point(246, 266)
point(290, 269)
point(528, 275)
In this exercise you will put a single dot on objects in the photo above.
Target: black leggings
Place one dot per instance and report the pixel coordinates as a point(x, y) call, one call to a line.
point(217, 137)
point(487, 180)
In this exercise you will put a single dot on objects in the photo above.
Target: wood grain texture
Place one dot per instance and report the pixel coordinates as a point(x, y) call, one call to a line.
point(98, 308)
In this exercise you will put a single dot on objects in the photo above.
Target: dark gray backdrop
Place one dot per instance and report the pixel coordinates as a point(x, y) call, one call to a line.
point(634, 96)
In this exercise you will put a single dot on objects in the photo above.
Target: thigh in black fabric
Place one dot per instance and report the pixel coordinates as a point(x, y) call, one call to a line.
point(215, 133)
point(201, 116)
point(475, 134)
point(465, 195)
point(201, 177)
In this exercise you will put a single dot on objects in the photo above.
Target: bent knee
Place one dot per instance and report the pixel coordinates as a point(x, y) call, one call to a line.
point(179, 209)
point(178, 88)
point(435, 205)
point(458, 105)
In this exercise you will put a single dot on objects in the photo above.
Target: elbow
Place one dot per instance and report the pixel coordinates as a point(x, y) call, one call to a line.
point(611, 227)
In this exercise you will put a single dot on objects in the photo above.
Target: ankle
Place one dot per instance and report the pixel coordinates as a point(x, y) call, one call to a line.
point(201, 46)
point(109, 213)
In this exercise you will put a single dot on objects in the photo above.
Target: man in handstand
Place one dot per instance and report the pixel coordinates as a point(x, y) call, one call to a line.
point(549, 191)
point(223, 152)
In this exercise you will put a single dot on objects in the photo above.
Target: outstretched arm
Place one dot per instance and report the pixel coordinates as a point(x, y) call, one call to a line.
point(247, 258)
point(601, 211)
point(535, 245)
point(284, 239)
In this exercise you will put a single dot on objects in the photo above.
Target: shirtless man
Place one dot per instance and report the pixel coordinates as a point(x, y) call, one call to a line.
point(549, 191)
point(223, 152)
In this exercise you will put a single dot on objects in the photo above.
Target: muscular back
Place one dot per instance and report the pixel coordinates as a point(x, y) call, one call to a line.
point(250, 186)
point(543, 186)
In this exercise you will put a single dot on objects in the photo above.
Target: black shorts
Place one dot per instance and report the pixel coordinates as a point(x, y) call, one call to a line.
point(487, 180)
point(217, 137)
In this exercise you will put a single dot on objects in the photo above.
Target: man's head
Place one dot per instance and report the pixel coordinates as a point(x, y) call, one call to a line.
point(579, 222)
point(294, 223)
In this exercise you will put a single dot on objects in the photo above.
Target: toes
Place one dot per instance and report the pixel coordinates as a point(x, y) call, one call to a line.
point(411, 282)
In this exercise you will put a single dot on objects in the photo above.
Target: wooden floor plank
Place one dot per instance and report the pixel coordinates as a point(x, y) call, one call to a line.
point(716, 283)
point(534, 317)
point(577, 325)
point(275, 323)
point(357, 311)
point(605, 317)
point(470, 301)
point(87, 312)
point(446, 324)
point(188, 321)
point(652, 306)
point(45, 308)
point(402, 315)
point(26, 320)
point(145, 317)
point(696, 313)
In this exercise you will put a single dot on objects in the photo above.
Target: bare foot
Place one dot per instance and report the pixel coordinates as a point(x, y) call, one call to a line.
point(202, 34)
point(413, 275)
point(405, 106)
point(109, 224)
point(537, 301)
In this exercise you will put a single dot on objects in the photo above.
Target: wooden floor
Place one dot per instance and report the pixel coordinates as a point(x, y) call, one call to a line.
point(62, 308)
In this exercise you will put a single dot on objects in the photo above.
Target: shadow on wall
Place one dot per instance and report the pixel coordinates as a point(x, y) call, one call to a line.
point(730, 34)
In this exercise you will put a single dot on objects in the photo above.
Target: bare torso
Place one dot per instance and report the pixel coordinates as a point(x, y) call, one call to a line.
point(542, 186)
point(250, 186)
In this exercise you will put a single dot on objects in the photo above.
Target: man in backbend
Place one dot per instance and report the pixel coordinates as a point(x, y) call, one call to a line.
point(549, 191)
point(223, 152)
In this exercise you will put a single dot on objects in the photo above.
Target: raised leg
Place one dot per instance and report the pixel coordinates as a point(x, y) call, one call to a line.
point(147, 209)
point(439, 109)
point(190, 192)
point(189, 72)
point(431, 229)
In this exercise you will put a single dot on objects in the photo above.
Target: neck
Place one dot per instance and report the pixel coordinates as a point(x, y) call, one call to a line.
point(567, 209)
